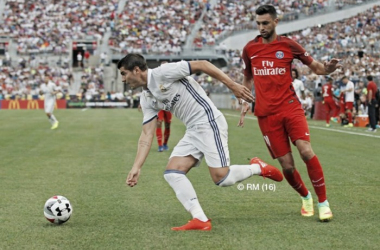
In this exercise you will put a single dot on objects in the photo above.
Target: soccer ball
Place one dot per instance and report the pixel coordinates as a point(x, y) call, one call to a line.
point(58, 209)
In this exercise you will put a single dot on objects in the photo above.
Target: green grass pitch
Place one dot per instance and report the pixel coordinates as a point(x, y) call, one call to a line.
point(87, 160)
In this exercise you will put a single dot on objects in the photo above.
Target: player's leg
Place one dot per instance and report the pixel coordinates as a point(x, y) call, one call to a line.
point(160, 118)
point(49, 108)
point(349, 108)
point(182, 159)
point(300, 136)
point(168, 120)
point(212, 140)
point(316, 176)
point(328, 112)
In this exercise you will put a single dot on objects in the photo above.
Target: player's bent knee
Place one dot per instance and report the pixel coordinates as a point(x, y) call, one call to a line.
point(226, 181)
point(219, 174)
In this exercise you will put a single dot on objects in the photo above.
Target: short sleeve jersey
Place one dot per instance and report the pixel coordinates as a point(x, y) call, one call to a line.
point(270, 66)
point(371, 86)
point(48, 89)
point(171, 88)
point(298, 87)
point(350, 95)
point(327, 92)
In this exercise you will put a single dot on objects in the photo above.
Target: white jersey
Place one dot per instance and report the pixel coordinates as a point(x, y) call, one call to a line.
point(350, 96)
point(171, 88)
point(298, 87)
point(48, 89)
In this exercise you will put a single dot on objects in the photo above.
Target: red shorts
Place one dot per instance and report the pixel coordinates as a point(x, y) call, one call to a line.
point(329, 105)
point(349, 105)
point(279, 128)
point(165, 116)
point(342, 106)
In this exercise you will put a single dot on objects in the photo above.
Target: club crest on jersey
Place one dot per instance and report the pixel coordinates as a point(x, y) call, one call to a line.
point(280, 54)
point(162, 88)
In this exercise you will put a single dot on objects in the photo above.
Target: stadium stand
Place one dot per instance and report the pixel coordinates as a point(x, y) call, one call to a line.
point(162, 29)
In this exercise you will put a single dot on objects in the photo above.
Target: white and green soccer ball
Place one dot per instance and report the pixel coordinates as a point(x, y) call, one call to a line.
point(58, 209)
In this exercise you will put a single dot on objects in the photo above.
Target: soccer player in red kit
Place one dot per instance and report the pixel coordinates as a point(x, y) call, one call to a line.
point(268, 62)
point(166, 117)
point(328, 100)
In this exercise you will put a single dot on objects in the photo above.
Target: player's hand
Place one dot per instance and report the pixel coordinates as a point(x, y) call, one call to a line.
point(242, 92)
point(133, 177)
point(244, 110)
point(332, 65)
point(139, 107)
point(241, 121)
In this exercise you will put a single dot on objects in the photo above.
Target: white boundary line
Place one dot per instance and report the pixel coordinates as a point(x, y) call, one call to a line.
point(315, 127)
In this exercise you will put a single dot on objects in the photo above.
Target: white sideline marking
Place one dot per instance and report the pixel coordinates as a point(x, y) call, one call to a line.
point(328, 129)
point(84, 110)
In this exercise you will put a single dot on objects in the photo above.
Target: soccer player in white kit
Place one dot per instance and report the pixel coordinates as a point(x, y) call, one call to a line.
point(349, 100)
point(49, 89)
point(298, 86)
point(170, 87)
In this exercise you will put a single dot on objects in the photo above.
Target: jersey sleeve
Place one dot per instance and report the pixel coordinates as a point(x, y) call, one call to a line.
point(175, 71)
point(247, 71)
point(300, 53)
point(149, 113)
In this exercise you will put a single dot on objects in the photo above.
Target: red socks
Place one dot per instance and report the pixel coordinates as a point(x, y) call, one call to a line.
point(349, 117)
point(159, 136)
point(166, 135)
point(315, 171)
point(294, 179)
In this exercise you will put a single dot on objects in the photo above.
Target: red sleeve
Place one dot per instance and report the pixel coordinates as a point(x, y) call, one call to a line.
point(247, 69)
point(300, 53)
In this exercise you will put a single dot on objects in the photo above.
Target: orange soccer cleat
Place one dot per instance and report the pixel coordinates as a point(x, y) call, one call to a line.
point(194, 224)
point(267, 171)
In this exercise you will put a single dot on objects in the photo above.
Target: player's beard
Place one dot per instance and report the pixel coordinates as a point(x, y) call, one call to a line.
point(268, 34)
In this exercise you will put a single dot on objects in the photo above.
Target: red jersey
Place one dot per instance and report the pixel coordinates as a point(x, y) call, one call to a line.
point(270, 66)
point(327, 92)
point(371, 86)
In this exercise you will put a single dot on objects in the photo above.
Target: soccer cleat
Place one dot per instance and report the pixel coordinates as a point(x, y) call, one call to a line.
point(334, 119)
point(55, 125)
point(194, 224)
point(327, 125)
point(325, 213)
point(350, 125)
point(307, 209)
point(160, 148)
point(371, 130)
point(267, 170)
point(166, 147)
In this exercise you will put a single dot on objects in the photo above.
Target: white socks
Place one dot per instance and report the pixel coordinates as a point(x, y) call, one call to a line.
point(239, 173)
point(52, 119)
point(185, 193)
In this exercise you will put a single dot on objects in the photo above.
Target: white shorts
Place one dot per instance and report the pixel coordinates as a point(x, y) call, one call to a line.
point(49, 105)
point(209, 140)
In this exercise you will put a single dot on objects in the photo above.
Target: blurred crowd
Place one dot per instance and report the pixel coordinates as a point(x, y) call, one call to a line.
point(155, 27)
point(46, 26)
point(23, 81)
point(228, 16)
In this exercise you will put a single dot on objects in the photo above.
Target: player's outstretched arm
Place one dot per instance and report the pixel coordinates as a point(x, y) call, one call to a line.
point(144, 145)
point(325, 68)
point(239, 91)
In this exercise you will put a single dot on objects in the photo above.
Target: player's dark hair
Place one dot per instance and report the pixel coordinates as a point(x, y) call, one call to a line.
point(369, 78)
point(130, 61)
point(344, 77)
point(295, 70)
point(267, 9)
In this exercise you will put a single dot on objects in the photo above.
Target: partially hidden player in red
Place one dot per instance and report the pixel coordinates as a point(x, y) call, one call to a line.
point(328, 100)
point(268, 62)
point(166, 117)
